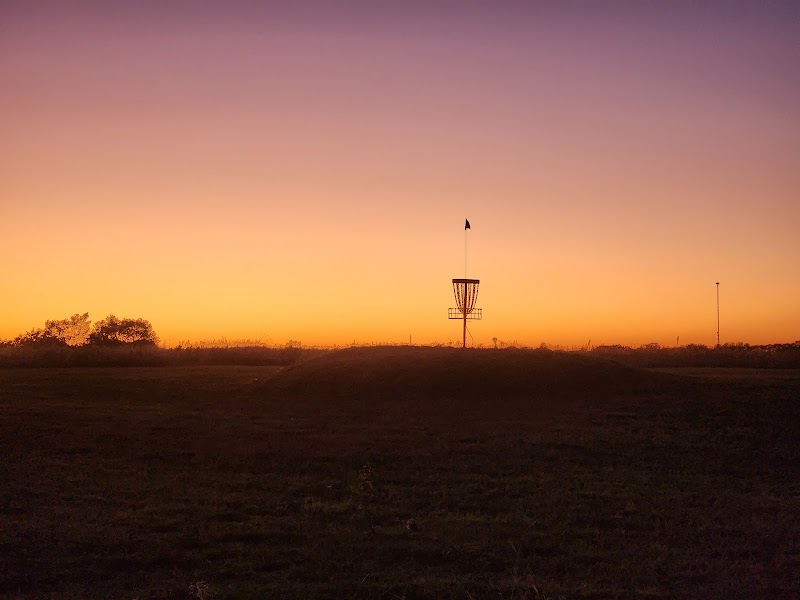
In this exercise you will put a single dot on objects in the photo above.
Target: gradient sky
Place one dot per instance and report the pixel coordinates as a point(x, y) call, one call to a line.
point(302, 170)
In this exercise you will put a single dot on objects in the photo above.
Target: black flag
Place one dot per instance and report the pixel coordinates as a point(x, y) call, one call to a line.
point(466, 225)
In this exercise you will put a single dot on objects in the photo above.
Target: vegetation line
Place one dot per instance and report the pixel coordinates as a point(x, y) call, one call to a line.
point(77, 342)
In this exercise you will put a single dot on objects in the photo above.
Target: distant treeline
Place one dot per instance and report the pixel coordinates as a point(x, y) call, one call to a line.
point(115, 342)
point(774, 356)
point(77, 342)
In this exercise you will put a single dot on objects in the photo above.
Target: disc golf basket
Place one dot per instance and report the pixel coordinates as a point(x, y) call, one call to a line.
point(466, 293)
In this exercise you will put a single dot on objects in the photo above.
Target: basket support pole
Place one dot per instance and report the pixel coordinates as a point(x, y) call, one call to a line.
point(465, 329)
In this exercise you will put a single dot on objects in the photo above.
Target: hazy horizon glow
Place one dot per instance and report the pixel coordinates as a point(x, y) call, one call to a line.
point(303, 170)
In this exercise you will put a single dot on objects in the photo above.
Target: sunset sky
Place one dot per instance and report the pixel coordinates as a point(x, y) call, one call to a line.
point(302, 170)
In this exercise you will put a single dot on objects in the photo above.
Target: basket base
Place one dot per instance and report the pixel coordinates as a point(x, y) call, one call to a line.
point(476, 314)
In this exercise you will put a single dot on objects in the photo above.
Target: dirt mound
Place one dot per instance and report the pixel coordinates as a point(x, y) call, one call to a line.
point(415, 372)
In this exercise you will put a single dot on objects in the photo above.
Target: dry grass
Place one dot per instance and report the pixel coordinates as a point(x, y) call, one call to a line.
point(148, 355)
point(371, 474)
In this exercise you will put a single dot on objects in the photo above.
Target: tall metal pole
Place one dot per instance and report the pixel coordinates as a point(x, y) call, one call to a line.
point(718, 313)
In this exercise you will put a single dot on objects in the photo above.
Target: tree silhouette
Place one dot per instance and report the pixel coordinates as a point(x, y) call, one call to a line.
point(112, 331)
point(73, 331)
point(37, 337)
point(77, 330)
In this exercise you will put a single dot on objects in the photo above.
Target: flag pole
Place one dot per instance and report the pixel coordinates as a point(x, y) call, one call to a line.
point(466, 229)
point(465, 252)
point(718, 314)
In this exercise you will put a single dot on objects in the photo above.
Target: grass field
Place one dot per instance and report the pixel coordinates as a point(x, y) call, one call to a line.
point(400, 473)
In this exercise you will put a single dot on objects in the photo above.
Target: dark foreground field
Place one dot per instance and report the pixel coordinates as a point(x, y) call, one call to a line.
point(400, 473)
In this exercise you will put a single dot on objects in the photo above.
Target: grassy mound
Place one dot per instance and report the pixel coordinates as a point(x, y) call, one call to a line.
point(418, 372)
